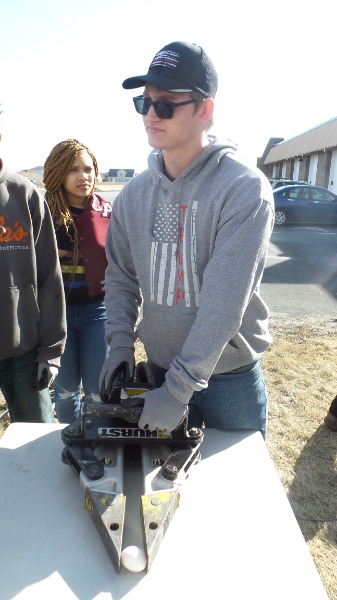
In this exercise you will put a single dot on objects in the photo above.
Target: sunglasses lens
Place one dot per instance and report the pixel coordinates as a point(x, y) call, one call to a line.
point(163, 110)
point(140, 105)
point(147, 102)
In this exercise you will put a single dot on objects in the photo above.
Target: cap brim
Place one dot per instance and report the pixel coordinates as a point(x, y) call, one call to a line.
point(163, 83)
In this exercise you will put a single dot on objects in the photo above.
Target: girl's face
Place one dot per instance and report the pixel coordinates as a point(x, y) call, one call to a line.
point(80, 180)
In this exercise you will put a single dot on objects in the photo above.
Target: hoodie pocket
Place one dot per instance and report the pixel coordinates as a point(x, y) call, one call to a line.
point(19, 321)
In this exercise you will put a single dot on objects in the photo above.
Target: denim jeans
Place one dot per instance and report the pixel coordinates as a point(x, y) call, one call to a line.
point(24, 403)
point(83, 359)
point(234, 400)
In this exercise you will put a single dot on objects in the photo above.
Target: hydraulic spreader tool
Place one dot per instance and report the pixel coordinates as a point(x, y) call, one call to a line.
point(100, 443)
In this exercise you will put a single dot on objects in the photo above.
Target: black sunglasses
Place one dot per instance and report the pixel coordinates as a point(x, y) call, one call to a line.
point(162, 108)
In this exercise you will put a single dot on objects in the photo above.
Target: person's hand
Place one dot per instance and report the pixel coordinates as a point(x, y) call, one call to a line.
point(161, 410)
point(118, 358)
point(46, 371)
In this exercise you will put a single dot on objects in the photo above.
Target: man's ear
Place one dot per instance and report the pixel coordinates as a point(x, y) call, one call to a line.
point(207, 109)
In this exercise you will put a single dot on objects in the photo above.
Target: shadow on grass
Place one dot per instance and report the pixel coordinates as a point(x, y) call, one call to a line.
point(312, 493)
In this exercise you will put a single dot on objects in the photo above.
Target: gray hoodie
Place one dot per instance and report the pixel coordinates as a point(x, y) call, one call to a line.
point(192, 251)
point(32, 306)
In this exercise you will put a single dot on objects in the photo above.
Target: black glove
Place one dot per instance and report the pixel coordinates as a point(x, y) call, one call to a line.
point(119, 359)
point(45, 375)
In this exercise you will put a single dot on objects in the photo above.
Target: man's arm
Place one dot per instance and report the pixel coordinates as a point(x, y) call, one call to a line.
point(122, 300)
point(122, 293)
point(230, 304)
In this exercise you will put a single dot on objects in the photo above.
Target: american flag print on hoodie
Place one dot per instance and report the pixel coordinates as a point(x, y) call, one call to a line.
point(170, 282)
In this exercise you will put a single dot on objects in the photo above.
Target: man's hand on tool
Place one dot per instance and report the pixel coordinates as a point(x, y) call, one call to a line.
point(116, 357)
point(161, 410)
point(47, 371)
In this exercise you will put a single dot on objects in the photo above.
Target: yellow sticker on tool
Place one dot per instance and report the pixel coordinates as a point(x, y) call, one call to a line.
point(135, 391)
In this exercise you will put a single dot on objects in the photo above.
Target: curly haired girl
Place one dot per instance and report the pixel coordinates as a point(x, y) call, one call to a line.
point(81, 220)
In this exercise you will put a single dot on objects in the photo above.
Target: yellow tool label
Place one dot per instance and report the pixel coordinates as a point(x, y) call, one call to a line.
point(135, 391)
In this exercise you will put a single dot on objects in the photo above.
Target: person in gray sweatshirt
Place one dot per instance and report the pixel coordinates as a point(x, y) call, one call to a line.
point(32, 304)
point(188, 242)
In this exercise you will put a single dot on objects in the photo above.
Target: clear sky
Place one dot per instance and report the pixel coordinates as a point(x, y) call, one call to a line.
point(62, 63)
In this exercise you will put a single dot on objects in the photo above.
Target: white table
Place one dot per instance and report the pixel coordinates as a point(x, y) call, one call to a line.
point(233, 537)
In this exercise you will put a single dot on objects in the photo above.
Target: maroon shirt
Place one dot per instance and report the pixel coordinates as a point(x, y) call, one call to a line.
point(92, 225)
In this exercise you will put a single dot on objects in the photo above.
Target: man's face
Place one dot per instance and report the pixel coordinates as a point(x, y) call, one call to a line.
point(185, 125)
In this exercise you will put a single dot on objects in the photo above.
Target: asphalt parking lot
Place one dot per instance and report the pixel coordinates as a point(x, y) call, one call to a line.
point(300, 278)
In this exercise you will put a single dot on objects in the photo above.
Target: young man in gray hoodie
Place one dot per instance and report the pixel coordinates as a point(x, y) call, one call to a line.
point(188, 241)
point(32, 306)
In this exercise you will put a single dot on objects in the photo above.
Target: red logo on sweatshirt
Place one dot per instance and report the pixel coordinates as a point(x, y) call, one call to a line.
point(180, 292)
point(7, 234)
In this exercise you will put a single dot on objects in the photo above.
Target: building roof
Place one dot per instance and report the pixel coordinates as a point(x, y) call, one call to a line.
point(114, 172)
point(318, 138)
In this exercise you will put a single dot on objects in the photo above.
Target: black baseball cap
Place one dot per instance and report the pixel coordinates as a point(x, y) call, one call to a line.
point(179, 67)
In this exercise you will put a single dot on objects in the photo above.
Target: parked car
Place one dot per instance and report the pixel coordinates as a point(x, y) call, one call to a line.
point(305, 204)
point(279, 182)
